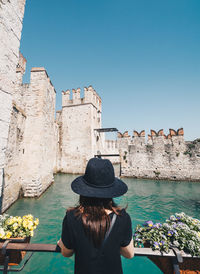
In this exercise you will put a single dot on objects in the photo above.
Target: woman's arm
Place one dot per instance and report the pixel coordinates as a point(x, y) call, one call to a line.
point(65, 251)
point(127, 251)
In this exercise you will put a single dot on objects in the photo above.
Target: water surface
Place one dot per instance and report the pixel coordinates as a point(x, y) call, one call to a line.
point(146, 199)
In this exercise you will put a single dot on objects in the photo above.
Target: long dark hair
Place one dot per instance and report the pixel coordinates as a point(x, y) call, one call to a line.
point(96, 221)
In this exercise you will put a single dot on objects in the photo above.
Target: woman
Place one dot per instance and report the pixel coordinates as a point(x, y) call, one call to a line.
point(97, 230)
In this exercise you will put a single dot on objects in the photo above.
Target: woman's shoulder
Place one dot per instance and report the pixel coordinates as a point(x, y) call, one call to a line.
point(71, 212)
point(123, 215)
point(73, 215)
point(123, 212)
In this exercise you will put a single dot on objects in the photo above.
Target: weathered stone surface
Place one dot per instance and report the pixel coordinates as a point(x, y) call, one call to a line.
point(39, 155)
point(160, 158)
point(11, 16)
point(77, 121)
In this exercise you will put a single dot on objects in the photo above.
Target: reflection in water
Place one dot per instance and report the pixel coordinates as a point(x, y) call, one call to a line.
point(147, 200)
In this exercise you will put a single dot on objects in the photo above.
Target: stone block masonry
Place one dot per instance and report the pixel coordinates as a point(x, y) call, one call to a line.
point(161, 157)
point(32, 138)
point(11, 16)
point(39, 149)
point(78, 120)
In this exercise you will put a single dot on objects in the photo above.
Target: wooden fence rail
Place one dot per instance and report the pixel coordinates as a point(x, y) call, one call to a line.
point(52, 248)
point(172, 262)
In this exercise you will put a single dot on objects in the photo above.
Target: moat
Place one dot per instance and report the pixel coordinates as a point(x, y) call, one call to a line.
point(146, 199)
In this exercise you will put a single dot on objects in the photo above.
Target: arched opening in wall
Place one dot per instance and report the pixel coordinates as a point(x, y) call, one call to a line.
point(97, 138)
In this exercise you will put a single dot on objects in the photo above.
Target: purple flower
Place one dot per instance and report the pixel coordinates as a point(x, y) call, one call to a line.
point(157, 225)
point(170, 233)
point(156, 245)
point(148, 223)
point(162, 243)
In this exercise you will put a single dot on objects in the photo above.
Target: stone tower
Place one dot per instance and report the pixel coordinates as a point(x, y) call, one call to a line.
point(79, 141)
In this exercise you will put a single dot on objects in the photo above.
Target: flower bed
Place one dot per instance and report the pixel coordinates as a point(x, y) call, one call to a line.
point(13, 228)
point(180, 230)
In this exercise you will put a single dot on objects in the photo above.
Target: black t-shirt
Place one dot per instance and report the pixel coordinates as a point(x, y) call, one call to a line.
point(88, 259)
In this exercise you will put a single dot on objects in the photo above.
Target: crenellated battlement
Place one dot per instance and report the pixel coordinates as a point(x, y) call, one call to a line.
point(90, 97)
point(123, 135)
point(154, 134)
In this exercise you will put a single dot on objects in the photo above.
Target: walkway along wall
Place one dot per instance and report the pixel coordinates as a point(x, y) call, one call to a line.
point(11, 16)
point(161, 157)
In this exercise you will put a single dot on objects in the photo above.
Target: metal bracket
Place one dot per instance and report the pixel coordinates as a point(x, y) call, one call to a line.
point(5, 252)
point(176, 260)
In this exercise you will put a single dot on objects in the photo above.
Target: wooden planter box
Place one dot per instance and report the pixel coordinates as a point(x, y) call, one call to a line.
point(15, 256)
point(189, 265)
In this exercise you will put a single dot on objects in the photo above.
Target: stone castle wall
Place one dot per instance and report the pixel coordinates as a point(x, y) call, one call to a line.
point(11, 16)
point(39, 137)
point(161, 157)
point(32, 138)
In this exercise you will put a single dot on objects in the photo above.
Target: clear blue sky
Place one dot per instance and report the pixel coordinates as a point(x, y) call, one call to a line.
point(142, 57)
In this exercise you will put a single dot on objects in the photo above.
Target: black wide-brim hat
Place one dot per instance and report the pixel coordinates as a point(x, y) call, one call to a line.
point(99, 181)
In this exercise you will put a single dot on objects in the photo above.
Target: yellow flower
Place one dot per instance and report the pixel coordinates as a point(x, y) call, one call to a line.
point(36, 222)
point(15, 226)
point(10, 221)
point(2, 233)
point(14, 219)
point(29, 216)
point(30, 225)
point(8, 234)
point(198, 233)
point(19, 220)
point(25, 223)
point(31, 233)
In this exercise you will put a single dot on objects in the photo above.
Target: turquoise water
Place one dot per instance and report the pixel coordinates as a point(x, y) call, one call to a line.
point(147, 200)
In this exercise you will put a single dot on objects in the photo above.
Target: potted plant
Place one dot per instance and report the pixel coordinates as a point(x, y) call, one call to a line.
point(178, 231)
point(13, 228)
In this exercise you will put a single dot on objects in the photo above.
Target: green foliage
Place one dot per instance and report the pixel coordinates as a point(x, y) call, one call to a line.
point(191, 146)
point(188, 152)
point(157, 173)
point(149, 147)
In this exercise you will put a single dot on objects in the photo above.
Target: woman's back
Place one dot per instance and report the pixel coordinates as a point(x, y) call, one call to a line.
point(88, 258)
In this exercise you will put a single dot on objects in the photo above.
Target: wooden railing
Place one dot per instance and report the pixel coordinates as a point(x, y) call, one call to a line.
point(167, 262)
point(53, 248)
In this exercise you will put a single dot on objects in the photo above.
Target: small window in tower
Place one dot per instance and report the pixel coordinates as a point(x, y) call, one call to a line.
point(97, 138)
